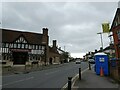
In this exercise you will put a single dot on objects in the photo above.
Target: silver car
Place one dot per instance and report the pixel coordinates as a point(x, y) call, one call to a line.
point(78, 62)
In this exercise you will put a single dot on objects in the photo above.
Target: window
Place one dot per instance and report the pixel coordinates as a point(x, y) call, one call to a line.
point(18, 41)
point(39, 47)
point(6, 50)
point(29, 46)
point(18, 45)
point(26, 46)
point(24, 41)
point(11, 45)
point(43, 47)
point(33, 47)
point(118, 33)
point(22, 45)
point(36, 47)
point(15, 45)
point(3, 45)
point(6, 44)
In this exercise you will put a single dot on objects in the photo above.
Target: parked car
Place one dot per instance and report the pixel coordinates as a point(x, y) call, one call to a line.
point(91, 61)
point(78, 62)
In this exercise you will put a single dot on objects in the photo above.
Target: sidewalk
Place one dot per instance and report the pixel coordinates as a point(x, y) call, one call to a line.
point(21, 69)
point(91, 80)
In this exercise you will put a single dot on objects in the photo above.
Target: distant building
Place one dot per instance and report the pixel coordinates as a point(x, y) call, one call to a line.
point(54, 55)
point(110, 51)
point(20, 47)
point(57, 55)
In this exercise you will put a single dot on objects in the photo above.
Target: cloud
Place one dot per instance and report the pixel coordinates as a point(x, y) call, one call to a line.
point(75, 25)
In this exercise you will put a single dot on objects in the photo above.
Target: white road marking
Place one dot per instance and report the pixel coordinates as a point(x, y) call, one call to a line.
point(51, 72)
point(18, 81)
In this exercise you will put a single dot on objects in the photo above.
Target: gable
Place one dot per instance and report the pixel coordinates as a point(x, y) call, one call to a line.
point(21, 39)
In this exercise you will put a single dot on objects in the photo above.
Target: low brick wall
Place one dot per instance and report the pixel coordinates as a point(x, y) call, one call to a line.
point(115, 69)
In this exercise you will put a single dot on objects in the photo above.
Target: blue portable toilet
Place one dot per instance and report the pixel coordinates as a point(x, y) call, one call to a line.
point(101, 61)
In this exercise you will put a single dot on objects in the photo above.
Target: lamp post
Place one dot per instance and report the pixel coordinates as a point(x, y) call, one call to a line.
point(101, 39)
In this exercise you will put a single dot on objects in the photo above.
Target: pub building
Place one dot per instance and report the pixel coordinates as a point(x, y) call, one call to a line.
point(20, 47)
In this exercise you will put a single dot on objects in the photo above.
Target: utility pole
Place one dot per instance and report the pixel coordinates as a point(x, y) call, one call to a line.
point(101, 39)
point(64, 48)
point(119, 4)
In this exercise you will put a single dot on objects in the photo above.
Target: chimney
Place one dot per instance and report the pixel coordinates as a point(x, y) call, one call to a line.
point(45, 31)
point(45, 37)
point(54, 43)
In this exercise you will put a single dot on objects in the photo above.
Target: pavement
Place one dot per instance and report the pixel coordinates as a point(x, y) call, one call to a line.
point(89, 79)
point(18, 69)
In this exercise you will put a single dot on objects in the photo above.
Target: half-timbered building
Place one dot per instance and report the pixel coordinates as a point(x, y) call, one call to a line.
point(20, 47)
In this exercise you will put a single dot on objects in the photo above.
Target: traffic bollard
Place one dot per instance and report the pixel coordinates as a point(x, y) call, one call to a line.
point(79, 73)
point(89, 66)
point(69, 83)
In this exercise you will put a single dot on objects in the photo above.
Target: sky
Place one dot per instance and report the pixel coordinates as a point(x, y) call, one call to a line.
point(73, 24)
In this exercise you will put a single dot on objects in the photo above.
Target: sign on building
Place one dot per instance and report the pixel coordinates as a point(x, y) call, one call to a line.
point(105, 27)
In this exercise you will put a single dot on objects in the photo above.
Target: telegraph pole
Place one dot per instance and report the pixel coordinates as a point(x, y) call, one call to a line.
point(101, 39)
point(64, 48)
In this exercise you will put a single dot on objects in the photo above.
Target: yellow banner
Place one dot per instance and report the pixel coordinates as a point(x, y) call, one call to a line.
point(105, 27)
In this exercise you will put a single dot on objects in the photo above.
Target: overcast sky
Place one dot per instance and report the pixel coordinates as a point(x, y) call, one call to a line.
point(73, 24)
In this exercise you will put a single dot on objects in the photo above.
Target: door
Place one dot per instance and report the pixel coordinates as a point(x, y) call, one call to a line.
point(20, 57)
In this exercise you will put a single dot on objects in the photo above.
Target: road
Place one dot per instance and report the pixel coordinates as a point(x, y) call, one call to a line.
point(50, 78)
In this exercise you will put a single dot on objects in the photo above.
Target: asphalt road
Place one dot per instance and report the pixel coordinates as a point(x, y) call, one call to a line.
point(50, 78)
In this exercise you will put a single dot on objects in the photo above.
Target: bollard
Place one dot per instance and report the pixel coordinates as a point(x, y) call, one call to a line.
point(89, 66)
point(69, 83)
point(79, 73)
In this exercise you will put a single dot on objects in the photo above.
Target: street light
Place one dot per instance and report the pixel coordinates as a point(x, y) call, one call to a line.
point(101, 39)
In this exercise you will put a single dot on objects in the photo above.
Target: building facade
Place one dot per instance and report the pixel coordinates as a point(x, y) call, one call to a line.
point(54, 55)
point(115, 28)
point(20, 47)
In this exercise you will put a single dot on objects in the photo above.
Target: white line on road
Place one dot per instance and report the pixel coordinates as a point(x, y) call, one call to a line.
point(18, 81)
point(51, 72)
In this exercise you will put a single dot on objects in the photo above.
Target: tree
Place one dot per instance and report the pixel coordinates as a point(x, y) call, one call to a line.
point(65, 56)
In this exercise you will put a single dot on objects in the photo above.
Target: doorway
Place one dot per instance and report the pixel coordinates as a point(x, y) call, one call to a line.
point(20, 57)
point(50, 60)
